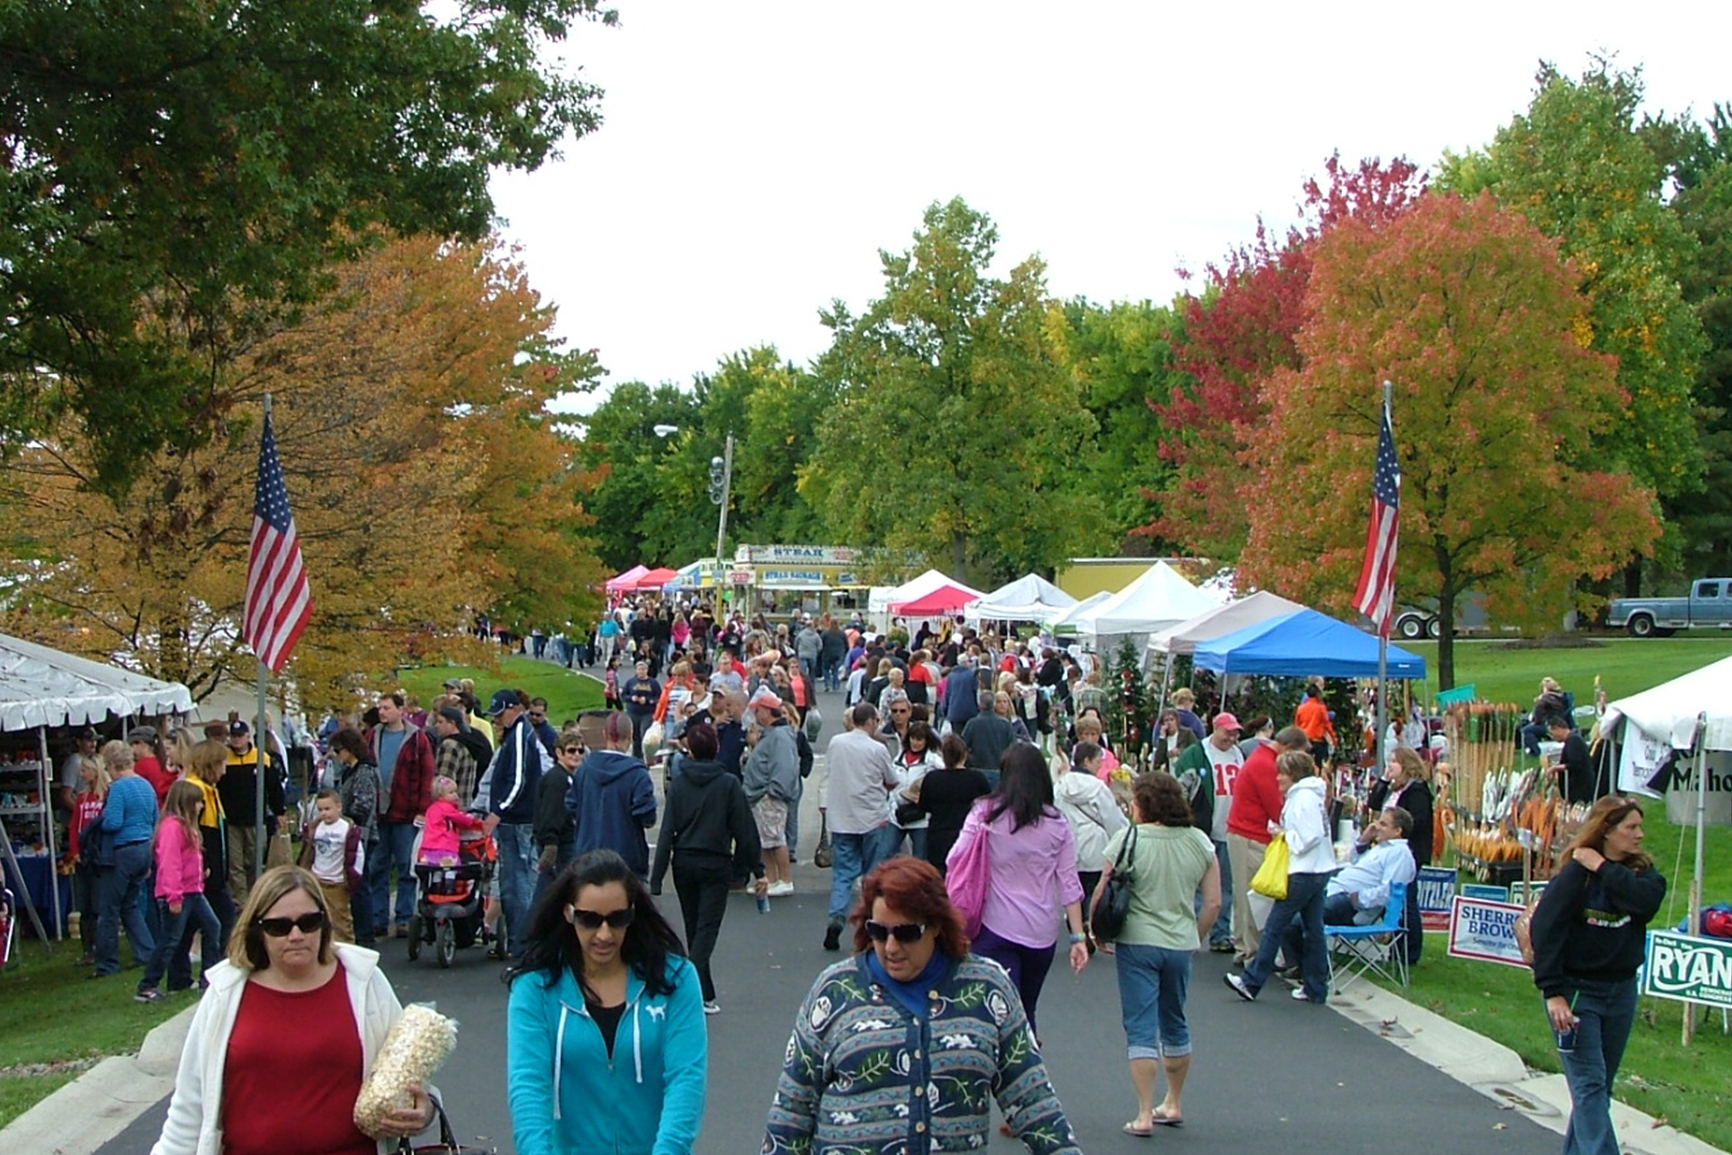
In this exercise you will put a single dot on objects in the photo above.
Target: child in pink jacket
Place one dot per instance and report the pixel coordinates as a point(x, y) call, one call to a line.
point(442, 838)
point(180, 900)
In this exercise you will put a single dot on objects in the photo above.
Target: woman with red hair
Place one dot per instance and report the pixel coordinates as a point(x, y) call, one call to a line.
point(950, 1023)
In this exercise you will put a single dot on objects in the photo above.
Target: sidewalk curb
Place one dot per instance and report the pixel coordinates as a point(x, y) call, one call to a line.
point(1497, 1072)
point(90, 1111)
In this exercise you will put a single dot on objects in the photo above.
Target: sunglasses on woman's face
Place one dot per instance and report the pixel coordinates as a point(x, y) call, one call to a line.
point(901, 932)
point(280, 927)
point(592, 919)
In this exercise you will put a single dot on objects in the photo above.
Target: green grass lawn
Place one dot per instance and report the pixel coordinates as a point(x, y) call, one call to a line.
point(58, 1022)
point(1690, 1087)
point(567, 693)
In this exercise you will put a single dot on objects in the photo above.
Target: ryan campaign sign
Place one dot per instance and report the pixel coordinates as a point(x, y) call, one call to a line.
point(1688, 968)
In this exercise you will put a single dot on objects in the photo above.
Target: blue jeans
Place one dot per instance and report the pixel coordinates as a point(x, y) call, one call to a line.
point(1304, 905)
point(119, 887)
point(853, 857)
point(396, 845)
point(1153, 982)
point(1222, 931)
point(833, 675)
point(1606, 1012)
point(516, 880)
point(195, 912)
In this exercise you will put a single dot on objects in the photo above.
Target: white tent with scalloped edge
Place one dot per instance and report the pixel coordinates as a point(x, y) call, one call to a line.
point(1158, 599)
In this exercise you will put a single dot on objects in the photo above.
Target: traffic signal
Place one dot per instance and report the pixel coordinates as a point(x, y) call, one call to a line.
point(718, 480)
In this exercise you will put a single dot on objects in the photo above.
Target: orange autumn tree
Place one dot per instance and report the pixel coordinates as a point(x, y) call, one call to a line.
point(389, 403)
point(1500, 409)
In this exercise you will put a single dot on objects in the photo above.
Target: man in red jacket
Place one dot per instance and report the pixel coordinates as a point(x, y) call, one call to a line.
point(1256, 803)
point(404, 756)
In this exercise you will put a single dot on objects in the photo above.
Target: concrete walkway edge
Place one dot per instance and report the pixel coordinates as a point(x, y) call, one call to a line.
point(1498, 1072)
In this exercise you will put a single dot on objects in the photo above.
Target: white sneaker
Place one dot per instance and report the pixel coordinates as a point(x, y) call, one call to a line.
point(711, 1007)
point(781, 889)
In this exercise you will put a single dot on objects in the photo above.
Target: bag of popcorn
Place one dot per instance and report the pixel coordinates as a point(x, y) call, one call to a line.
point(419, 1043)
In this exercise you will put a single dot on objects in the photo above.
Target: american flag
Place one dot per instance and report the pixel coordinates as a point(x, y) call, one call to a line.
point(1376, 596)
point(278, 601)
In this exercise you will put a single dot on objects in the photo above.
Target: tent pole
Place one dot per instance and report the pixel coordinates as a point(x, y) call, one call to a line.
point(1701, 825)
point(53, 850)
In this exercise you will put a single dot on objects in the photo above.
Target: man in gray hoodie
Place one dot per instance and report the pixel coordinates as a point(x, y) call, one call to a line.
point(772, 780)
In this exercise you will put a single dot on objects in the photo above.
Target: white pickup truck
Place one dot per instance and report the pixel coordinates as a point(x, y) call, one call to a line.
point(1709, 603)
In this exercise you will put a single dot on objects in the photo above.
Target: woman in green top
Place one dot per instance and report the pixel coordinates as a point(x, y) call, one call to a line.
point(1170, 860)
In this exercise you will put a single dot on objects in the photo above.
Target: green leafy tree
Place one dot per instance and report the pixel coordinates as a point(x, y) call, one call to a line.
point(1469, 311)
point(648, 499)
point(180, 178)
point(1121, 357)
point(1576, 166)
point(955, 426)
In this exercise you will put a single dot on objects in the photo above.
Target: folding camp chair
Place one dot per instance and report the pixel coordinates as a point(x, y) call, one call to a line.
point(1377, 947)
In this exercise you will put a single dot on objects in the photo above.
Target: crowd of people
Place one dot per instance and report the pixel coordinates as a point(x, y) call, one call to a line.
point(955, 752)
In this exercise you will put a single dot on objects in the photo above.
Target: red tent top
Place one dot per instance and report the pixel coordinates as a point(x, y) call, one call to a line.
point(655, 579)
point(945, 599)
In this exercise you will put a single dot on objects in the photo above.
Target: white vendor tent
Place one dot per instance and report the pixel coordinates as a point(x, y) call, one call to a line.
point(1220, 621)
point(1030, 598)
point(881, 601)
point(44, 687)
point(1158, 599)
point(1066, 622)
point(1650, 725)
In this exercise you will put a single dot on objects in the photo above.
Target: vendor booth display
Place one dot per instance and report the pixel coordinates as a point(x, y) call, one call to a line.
point(43, 689)
point(1302, 644)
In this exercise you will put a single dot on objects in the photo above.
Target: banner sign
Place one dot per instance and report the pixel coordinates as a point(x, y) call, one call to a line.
point(1485, 930)
point(1688, 968)
point(1524, 892)
point(1494, 893)
point(1436, 890)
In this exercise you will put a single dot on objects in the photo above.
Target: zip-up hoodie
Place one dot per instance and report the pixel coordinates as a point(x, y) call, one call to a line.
point(1307, 829)
point(516, 774)
point(612, 802)
point(708, 819)
point(568, 1094)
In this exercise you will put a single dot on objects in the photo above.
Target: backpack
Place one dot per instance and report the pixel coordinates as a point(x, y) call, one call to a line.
point(806, 756)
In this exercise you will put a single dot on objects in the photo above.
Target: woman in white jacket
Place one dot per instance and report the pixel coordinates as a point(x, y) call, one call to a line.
point(285, 1036)
point(1311, 862)
point(1088, 805)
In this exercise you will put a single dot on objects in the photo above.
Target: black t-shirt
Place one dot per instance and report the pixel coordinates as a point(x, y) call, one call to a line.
point(607, 1018)
point(1577, 781)
point(642, 694)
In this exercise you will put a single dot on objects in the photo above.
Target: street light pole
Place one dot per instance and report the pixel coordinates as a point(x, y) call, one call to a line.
point(727, 463)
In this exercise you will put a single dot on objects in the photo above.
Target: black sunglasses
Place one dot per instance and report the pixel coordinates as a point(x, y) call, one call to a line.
point(901, 932)
point(280, 927)
point(592, 919)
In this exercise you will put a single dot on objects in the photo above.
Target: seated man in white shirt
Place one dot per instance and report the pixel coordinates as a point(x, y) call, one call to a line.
point(1359, 891)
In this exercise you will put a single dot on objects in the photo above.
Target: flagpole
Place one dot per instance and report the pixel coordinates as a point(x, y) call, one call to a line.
point(258, 748)
point(1383, 648)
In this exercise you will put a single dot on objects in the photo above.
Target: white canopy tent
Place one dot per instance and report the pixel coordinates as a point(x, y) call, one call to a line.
point(1221, 621)
point(1158, 599)
point(42, 687)
point(1030, 598)
point(880, 599)
point(1066, 622)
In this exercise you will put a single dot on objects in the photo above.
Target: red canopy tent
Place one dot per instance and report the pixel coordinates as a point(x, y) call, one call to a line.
point(946, 599)
point(655, 579)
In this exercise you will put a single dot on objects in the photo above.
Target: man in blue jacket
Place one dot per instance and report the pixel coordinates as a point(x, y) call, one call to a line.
point(961, 694)
point(514, 779)
point(612, 799)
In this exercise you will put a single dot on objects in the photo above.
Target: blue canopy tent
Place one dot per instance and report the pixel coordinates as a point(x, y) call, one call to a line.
point(1302, 643)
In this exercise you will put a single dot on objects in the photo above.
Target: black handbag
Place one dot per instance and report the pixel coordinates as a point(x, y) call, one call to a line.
point(1108, 917)
point(447, 1145)
point(908, 813)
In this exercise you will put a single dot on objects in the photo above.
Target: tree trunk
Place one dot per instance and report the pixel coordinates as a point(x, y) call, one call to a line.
point(959, 558)
point(1446, 595)
point(1633, 578)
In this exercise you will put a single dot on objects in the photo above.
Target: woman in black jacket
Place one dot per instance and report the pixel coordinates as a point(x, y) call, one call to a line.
point(1589, 933)
point(1408, 785)
point(709, 833)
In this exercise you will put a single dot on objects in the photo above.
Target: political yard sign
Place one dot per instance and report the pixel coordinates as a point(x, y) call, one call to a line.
point(1688, 968)
point(1482, 929)
point(1436, 890)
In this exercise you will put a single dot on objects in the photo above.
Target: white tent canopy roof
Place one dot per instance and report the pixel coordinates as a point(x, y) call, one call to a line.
point(1069, 618)
point(1667, 713)
point(881, 599)
point(44, 687)
point(1221, 621)
point(1159, 598)
point(1030, 598)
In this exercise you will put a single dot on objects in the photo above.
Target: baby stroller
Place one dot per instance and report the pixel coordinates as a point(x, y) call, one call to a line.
point(451, 898)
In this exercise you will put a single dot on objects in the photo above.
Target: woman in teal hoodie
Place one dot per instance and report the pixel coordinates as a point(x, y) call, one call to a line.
point(605, 1009)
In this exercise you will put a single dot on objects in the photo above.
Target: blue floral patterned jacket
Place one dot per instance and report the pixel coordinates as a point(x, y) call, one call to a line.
point(863, 1074)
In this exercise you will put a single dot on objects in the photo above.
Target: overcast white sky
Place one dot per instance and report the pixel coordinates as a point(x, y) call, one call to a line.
point(755, 157)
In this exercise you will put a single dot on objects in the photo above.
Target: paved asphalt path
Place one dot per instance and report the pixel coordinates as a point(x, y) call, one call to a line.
point(1271, 1077)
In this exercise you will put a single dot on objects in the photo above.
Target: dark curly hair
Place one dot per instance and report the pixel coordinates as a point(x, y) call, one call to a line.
point(552, 943)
